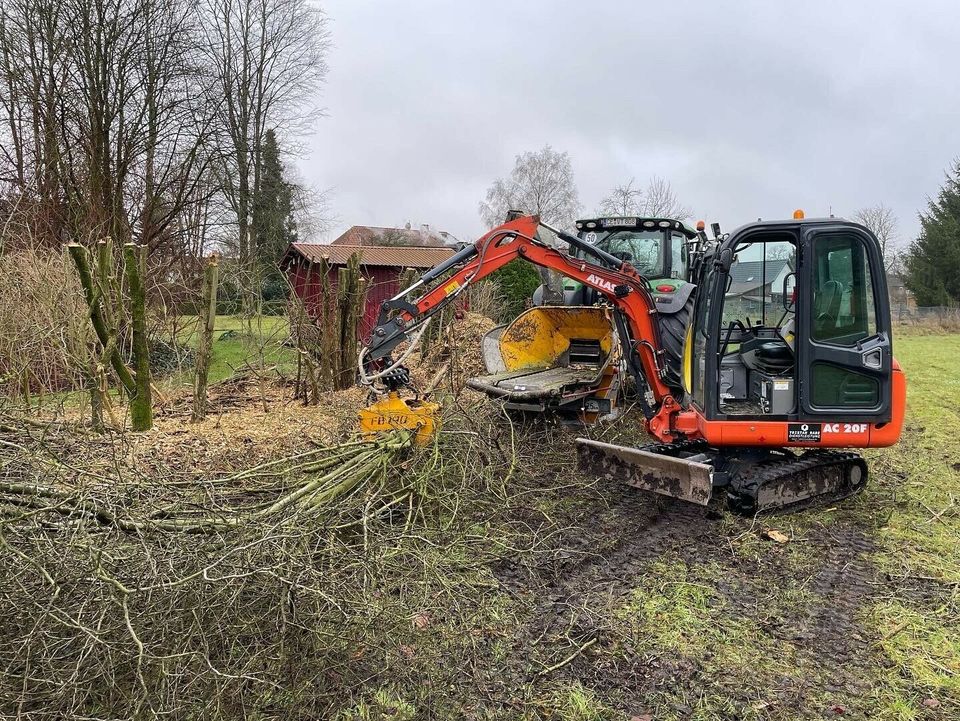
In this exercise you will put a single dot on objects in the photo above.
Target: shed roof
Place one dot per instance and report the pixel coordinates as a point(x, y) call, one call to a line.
point(397, 256)
point(380, 235)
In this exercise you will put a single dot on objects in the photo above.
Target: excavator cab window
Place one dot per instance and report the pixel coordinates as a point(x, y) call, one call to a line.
point(702, 324)
point(843, 304)
point(843, 320)
point(755, 347)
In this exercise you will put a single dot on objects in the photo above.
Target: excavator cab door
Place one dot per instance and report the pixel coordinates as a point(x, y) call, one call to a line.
point(845, 357)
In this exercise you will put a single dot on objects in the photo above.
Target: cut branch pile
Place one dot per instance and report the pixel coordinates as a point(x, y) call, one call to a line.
point(38, 480)
point(137, 584)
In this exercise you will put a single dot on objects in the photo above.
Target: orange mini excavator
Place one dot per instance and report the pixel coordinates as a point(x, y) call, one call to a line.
point(786, 359)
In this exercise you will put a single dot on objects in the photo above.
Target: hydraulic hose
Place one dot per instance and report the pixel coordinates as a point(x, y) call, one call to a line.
point(369, 379)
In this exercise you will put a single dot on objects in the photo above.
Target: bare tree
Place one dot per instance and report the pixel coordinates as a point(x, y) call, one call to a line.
point(881, 221)
point(266, 59)
point(657, 201)
point(36, 55)
point(662, 202)
point(623, 200)
point(104, 124)
point(541, 182)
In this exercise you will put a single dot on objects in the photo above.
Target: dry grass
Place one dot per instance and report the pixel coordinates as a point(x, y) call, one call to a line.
point(44, 329)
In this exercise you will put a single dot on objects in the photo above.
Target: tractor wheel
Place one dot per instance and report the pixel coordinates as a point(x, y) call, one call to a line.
point(673, 332)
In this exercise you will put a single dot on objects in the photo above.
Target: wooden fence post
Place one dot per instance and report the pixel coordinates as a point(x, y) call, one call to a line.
point(208, 318)
point(141, 403)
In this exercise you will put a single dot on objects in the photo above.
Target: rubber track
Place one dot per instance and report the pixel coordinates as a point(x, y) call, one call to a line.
point(743, 490)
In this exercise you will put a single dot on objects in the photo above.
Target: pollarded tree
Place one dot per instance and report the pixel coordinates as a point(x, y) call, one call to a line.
point(933, 259)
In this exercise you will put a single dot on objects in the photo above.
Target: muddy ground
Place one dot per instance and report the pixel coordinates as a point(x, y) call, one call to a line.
point(611, 603)
point(580, 588)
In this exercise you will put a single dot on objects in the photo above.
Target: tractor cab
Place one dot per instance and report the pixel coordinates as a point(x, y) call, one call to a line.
point(656, 247)
point(659, 249)
point(792, 323)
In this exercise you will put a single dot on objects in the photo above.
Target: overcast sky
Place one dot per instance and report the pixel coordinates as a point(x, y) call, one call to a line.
point(749, 109)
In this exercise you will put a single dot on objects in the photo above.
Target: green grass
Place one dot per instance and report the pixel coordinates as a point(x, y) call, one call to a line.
point(572, 702)
point(920, 543)
point(238, 342)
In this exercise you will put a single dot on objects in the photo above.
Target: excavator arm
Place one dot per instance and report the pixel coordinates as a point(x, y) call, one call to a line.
point(621, 285)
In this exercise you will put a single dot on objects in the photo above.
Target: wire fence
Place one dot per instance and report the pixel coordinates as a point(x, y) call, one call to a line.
point(903, 313)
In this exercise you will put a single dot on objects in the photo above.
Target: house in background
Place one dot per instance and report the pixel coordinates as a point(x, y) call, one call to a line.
point(424, 236)
point(902, 302)
point(381, 265)
point(754, 283)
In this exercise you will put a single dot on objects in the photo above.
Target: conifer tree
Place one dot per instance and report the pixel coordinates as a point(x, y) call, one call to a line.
point(933, 260)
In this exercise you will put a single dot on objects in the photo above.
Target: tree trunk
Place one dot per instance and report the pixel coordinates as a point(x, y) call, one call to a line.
point(96, 297)
point(208, 316)
point(350, 295)
point(141, 404)
point(96, 397)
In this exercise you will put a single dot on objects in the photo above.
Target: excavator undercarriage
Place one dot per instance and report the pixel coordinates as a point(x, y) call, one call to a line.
point(752, 480)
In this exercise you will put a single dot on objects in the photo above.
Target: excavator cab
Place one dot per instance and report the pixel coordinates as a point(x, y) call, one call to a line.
point(787, 360)
point(792, 323)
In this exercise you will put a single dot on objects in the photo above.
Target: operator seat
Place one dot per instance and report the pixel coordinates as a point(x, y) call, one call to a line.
point(827, 310)
point(774, 357)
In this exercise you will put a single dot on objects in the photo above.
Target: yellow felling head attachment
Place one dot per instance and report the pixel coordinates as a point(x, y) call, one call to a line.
point(394, 412)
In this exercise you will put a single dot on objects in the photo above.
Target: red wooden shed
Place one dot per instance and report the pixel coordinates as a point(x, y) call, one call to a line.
point(381, 265)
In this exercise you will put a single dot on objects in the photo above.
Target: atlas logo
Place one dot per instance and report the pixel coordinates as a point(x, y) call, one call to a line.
point(600, 282)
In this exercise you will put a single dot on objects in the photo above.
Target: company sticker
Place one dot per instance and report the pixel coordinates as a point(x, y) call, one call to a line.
point(449, 289)
point(803, 432)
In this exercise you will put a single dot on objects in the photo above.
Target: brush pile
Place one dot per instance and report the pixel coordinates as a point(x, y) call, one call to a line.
point(40, 482)
point(138, 589)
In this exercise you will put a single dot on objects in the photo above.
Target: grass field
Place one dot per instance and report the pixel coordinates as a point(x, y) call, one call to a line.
point(607, 608)
point(240, 341)
point(919, 544)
